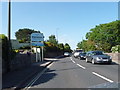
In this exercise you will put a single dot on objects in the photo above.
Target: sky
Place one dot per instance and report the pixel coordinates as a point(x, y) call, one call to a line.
point(68, 21)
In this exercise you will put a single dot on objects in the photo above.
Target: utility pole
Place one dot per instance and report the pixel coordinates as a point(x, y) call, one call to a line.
point(9, 35)
point(9, 19)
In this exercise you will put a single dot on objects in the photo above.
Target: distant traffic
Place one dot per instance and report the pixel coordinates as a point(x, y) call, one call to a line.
point(93, 57)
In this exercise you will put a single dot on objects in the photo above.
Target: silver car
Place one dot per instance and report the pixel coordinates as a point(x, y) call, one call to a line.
point(98, 57)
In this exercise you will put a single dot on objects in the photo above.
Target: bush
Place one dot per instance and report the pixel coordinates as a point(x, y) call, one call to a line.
point(5, 47)
point(25, 47)
point(5, 51)
point(116, 49)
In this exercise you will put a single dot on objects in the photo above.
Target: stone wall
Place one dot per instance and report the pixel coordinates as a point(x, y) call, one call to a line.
point(21, 60)
point(115, 56)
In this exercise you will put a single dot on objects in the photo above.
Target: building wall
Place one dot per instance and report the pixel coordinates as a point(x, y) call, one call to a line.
point(17, 45)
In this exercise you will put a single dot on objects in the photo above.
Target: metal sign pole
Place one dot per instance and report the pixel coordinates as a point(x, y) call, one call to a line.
point(36, 54)
point(42, 54)
point(31, 51)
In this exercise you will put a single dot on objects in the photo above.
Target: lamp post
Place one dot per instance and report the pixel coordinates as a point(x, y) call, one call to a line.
point(57, 33)
point(9, 35)
point(9, 19)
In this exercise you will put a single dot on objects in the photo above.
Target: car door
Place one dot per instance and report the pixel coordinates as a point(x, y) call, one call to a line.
point(88, 56)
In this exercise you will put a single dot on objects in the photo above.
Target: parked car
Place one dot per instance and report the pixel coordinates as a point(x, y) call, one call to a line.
point(82, 55)
point(66, 54)
point(98, 57)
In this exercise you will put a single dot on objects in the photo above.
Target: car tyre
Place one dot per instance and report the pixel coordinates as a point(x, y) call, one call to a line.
point(93, 61)
point(86, 60)
point(110, 62)
point(80, 58)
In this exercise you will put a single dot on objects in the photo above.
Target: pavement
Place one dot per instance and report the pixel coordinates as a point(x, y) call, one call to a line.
point(15, 79)
point(116, 61)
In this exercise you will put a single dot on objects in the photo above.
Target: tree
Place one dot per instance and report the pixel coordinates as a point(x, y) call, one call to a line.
point(61, 46)
point(23, 35)
point(50, 47)
point(86, 45)
point(67, 48)
point(105, 35)
point(102, 37)
point(52, 39)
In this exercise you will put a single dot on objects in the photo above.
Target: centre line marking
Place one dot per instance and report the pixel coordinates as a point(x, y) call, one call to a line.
point(102, 77)
point(81, 66)
point(72, 60)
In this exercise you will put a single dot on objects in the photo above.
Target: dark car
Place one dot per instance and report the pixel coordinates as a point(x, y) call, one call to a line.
point(98, 57)
point(82, 55)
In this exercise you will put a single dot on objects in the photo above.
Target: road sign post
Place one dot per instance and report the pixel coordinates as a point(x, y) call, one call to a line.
point(36, 39)
point(42, 53)
point(36, 55)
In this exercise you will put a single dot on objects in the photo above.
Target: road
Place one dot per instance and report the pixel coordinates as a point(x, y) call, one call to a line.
point(74, 73)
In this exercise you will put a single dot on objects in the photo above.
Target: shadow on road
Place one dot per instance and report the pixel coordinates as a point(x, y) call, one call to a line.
point(21, 77)
point(47, 76)
point(113, 63)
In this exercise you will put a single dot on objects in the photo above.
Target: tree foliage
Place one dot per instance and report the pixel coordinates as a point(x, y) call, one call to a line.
point(116, 49)
point(67, 48)
point(61, 46)
point(102, 37)
point(52, 39)
point(23, 35)
point(5, 47)
point(5, 51)
point(52, 45)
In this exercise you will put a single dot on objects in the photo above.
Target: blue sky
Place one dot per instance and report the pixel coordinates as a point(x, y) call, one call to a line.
point(69, 21)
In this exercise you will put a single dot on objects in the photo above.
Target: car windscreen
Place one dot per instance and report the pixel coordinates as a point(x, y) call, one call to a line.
point(98, 53)
point(83, 53)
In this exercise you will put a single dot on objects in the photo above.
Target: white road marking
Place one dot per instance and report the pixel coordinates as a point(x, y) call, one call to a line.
point(77, 64)
point(72, 60)
point(37, 77)
point(102, 77)
point(81, 66)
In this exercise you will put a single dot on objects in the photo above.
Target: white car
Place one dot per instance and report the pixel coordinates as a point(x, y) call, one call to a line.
point(76, 54)
point(66, 54)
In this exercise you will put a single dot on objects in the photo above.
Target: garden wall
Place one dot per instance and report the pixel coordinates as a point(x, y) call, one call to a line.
point(115, 56)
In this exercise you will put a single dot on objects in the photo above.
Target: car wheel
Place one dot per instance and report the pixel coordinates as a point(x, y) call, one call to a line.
point(80, 58)
point(86, 60)
point(110, 62)
point(93, 61)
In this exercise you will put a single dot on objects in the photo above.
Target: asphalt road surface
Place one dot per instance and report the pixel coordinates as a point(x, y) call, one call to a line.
point(70, 72)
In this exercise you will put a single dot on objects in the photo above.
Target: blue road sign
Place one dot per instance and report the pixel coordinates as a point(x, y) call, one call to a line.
point(37, 44)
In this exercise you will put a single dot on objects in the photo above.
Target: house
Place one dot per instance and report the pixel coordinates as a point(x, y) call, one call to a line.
point(16, 45)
